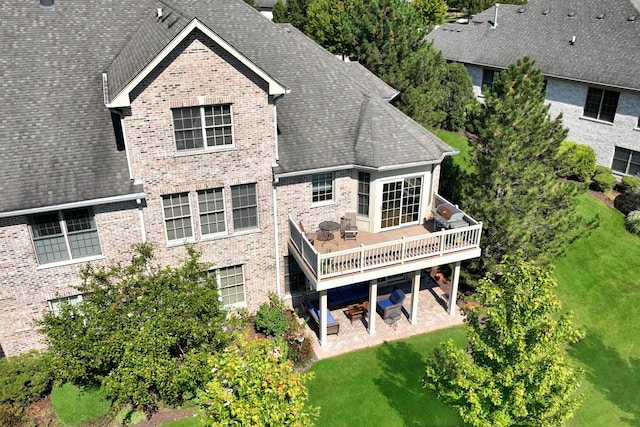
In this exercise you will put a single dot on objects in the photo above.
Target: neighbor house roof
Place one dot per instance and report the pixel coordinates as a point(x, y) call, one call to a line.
point(606, 49)
point(56, 140)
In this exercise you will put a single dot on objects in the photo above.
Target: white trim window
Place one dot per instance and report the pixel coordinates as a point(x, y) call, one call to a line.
point(601, 104)
point(211, 210)
point(65, 235)
point(401, 201)
point(626, 161)
point(322, 187)
point(56, 304)
point(204, 127)
point(364, 190)
point(231, 284)
point(177, 216)
point(244, 201)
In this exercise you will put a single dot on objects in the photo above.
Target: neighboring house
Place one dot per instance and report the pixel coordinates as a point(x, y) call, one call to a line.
point(589, 53)
point(201, 122)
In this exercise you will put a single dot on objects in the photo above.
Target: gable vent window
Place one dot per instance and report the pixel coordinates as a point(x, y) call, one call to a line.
point(601, 104)
point(205, 127)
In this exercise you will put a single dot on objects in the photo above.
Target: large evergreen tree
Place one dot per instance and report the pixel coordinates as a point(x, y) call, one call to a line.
point(387, 37)
point(513, 188)
point(514, 371)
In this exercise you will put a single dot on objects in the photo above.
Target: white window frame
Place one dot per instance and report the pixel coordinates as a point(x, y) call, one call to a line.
point(321, 192)
point(55, 305)
point(201, 213)
point(203, 129)
point(165, 219)
point(367, 195)
point(403, 179)
point(242, 303)
point(235, 209)
point(65, 233)
point(628, 161)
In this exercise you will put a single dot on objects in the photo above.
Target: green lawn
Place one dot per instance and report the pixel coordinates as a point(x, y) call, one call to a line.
point(598, 279)
point(380, 386)
point(75, 407)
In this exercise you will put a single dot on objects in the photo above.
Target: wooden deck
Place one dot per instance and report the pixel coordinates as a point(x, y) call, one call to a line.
point(337, 243)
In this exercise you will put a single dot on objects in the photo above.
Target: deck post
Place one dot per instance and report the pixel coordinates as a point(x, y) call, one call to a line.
point(323, 317)
point(453, 292)
point(373, 299)
point(415, 294)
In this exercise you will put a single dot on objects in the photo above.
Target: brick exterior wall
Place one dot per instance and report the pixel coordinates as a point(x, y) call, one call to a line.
point(25, 287)
point(197, 73)
point(568, 98)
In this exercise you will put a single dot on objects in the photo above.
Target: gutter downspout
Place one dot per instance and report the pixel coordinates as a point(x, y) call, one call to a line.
point(143, 230)
point(274, 194)
point(126, 142)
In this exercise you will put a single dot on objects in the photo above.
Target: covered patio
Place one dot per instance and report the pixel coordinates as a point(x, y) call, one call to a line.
point(432, 314)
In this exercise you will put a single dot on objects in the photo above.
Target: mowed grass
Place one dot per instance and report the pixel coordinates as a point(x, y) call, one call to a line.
point(380, 386)
point(75, 407)
point(598, 280)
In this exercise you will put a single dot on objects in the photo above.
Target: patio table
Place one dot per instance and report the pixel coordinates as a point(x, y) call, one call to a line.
point(326, 231)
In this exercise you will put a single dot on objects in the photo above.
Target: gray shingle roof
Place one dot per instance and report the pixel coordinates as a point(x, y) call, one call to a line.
point(56, 138)
point(606, 51)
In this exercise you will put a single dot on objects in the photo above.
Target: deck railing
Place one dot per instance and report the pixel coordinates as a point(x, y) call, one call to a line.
point(399, 251)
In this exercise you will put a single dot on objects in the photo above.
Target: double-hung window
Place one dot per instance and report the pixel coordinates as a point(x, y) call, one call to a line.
point(65, 235)
point(626, 161)
point(231, 285)
point(364, 188)
point(487, 80)
point(322, 187)
point(177, 216)
point(56, 305)
point(601, 104)
point(211, 209)
point(198, 128)
point(244, 200)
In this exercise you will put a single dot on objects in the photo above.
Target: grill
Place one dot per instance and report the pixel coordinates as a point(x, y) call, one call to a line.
point(448, 216)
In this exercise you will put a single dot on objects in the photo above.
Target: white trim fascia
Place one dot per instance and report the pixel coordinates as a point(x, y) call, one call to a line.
point(360, 167)
point(555, 76)
point(72, 205)
point(122, 98)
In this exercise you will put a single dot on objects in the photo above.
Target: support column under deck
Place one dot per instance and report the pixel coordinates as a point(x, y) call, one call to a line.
point(323, 317)
point(453, 292)
point(373, 299)
point(415, 294)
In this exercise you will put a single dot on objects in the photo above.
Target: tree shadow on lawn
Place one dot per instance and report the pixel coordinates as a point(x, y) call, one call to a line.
point(402, 368)
point(613, 376)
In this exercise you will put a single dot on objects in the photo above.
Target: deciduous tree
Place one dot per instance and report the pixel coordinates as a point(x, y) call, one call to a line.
point(514, 371)
point(254, 385)
point(432, 12)
point(143, 331)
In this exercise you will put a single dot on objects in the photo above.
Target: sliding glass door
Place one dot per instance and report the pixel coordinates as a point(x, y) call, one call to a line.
point(401, 202)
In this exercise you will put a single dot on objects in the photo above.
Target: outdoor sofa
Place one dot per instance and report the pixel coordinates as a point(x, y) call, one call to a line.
point(348, 294)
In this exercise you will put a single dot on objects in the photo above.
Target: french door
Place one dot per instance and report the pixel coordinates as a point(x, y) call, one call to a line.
point(401, 202)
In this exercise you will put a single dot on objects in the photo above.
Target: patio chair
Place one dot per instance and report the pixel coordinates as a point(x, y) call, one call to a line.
point(390, 306)
point(348, 227)
point(311, 237)
point(333, 326)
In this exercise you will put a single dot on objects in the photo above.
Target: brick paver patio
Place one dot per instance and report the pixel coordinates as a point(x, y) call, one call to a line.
point(432, 315)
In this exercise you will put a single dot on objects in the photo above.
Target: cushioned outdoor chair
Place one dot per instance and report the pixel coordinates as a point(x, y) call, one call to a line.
point(333, 326)
point(389, 306)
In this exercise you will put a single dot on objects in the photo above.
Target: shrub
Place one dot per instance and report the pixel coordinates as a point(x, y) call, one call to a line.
point(632, 222)
point(299, 345)
point(25, 378)
point(627, 202)
point(603, 180)
point(629, 184)
point(12, 415)
point(271, 318)
point(575, 161)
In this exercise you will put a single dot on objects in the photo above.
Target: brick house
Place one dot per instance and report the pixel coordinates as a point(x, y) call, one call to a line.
point(205, 123)
point(589, 53)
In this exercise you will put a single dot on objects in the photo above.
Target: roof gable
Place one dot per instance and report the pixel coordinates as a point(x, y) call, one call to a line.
point(606, 50)
point(152, 44)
